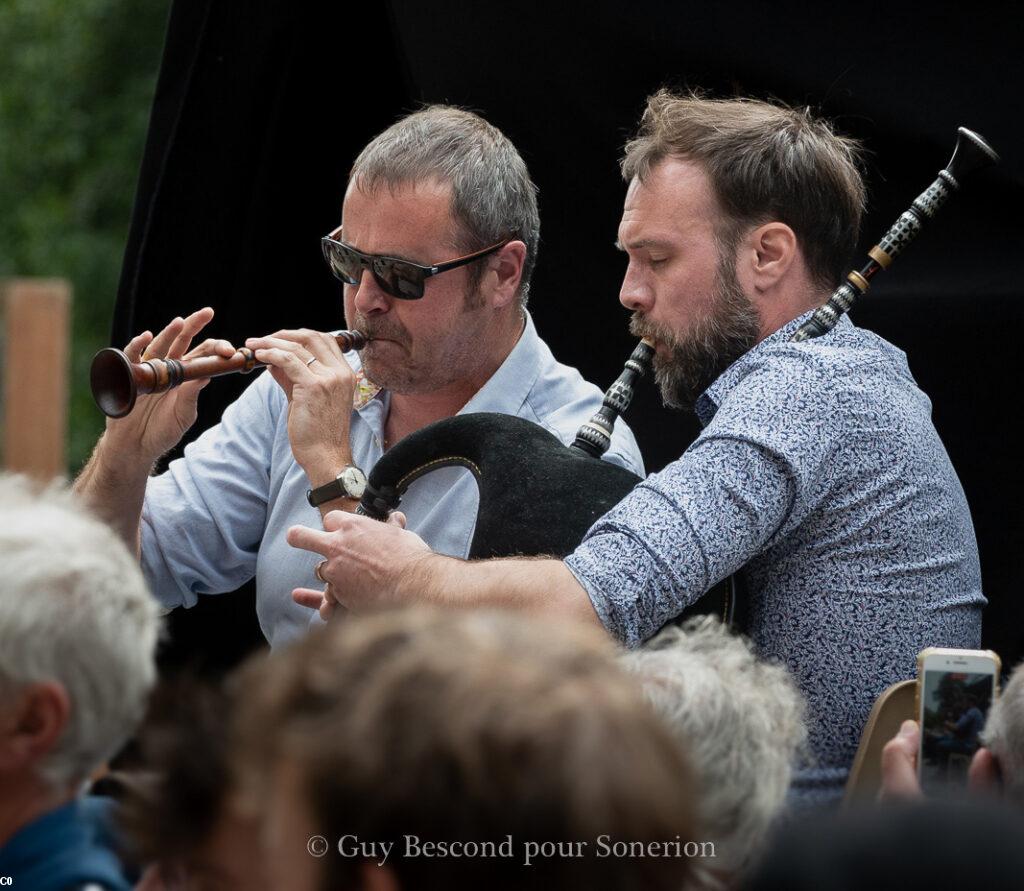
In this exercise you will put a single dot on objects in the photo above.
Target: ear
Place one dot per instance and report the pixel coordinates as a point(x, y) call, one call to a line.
point(31, 729)
point(984, 775)
point(766, 255)
point(504, 273)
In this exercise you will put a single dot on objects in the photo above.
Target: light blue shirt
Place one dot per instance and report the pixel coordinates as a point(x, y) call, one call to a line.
point(219, 515)
point(820, 477)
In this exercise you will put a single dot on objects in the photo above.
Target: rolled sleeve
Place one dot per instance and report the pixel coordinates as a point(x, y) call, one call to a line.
point(202, 520)
point(680, 532)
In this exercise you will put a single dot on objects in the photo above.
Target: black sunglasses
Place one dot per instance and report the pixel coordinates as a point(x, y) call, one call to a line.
point(399, 278)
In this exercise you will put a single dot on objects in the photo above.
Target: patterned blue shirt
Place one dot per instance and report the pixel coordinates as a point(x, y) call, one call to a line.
point(219, 515)
point(820, 477)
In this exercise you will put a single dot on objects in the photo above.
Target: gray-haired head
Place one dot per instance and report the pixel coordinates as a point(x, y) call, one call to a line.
point(741, 722)
point(74, 609)
point(1004, 734)
point(493, 196)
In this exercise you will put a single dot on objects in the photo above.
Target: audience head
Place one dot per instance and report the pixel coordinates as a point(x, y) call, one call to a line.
point(78, 633)
point(181, 810)
point(916, 848)
point(460, 728)
point(740, 721)
point(1003, 735)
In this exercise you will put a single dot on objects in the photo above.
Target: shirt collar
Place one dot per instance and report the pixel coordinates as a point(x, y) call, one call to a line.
point(709, 401)
point(506, 390)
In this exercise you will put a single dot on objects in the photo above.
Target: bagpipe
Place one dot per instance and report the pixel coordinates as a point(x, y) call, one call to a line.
point(538, 497)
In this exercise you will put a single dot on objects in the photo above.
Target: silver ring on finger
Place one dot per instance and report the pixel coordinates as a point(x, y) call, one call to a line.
point(318, 571)
point(310, 362)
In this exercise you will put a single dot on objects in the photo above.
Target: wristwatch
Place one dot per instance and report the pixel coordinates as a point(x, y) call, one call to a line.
point(350, 483)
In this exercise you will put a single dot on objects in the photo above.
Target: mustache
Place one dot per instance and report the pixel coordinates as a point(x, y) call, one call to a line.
point(641, 326)
point(382, 328)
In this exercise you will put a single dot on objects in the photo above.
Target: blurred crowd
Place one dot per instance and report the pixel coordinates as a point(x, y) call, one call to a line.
point(415, 748)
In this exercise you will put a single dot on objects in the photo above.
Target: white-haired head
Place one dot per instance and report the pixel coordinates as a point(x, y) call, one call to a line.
point(74, 609)
point(740, 720)
point(1004, 734)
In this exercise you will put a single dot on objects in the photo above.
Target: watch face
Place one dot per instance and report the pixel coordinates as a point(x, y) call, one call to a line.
point(354, 481)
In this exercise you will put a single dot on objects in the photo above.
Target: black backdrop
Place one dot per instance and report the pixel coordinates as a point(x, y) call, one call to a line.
point(261, 108)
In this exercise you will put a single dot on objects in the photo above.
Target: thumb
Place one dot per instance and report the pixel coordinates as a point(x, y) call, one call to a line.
point(899, 765)
point(190, 389)
point(188, 401)
point(397, 518)
point(910, 734)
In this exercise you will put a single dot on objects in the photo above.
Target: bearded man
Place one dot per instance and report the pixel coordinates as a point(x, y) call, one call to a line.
point(818, 475)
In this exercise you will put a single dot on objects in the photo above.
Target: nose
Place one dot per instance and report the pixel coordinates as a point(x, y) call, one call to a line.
point(635, 293)
point(370, 299)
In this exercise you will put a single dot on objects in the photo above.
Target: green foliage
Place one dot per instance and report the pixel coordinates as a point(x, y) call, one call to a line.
point(76, 85)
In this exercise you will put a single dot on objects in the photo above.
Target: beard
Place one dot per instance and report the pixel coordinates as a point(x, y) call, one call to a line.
point(729, 329)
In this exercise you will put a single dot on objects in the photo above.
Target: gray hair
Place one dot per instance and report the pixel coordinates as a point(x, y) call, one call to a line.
point(1004, 734)
point(74, 609)
point(741, 722)
point(493, 196)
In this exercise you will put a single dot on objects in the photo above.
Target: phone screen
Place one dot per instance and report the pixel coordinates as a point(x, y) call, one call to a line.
point(954, 705)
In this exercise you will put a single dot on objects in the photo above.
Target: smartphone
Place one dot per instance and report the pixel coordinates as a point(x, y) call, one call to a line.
point(954, 691)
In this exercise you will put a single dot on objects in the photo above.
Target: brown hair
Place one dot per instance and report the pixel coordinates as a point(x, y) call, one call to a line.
point(472, 727)
point(173, 800)
point(766, 162)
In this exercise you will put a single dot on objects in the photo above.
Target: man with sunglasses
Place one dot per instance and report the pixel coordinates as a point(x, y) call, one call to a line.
point(818, 475)
point(435, 251)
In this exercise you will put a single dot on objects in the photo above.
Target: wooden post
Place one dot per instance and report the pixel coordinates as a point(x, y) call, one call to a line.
point(35, 374)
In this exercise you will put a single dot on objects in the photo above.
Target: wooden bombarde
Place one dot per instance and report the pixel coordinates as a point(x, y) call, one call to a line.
point(116, 381)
